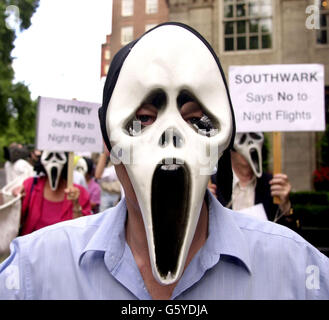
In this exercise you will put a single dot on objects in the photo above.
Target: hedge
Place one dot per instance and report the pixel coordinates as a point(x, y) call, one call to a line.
point(312, 208)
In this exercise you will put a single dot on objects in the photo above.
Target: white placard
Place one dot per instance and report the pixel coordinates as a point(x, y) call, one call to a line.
point(68, 125)
point(288, 97)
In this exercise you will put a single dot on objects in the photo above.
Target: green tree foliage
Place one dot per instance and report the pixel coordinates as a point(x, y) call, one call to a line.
point(17, 110)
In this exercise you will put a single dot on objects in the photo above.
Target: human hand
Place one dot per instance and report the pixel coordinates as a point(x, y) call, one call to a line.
point(72, 193)
point(19, 190)
point(281, 187)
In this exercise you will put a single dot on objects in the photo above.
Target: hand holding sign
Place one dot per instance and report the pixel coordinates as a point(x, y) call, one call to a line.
point(73, 193)
point(276, 98)
point(280, 188)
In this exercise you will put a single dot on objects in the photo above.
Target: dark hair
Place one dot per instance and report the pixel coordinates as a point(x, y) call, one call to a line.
point(14, 153)
point(6, 154)
point(90, 165)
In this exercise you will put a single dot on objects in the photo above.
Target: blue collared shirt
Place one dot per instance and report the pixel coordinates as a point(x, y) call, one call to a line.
point(88, 258)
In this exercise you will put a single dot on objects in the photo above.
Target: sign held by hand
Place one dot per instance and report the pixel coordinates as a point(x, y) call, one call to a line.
point(68, 125)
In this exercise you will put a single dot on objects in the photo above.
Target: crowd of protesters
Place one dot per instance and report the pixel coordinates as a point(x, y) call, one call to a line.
point(42, 181)
point(46, 198)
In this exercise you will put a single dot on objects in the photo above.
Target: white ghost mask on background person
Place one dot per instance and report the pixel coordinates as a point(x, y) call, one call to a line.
point(81, 166)
point(170, 160)
point(53, 163)
point(249, 145)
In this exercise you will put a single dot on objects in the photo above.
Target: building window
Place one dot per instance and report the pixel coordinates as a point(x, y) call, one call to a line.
point(247, 25)
point(106, 69)
point(127, 8)
point(323, 32)
point(127, 35)
point(107, 54)
point(150, 26)
point(151, 6)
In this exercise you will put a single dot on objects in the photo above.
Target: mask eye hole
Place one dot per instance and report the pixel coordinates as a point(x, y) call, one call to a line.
point(193, 113)
point(50, 155)
point(156, 98)
point(146, 115)
point(59, 157)
point(243, 139)
point(255, 136)
point(147, 112)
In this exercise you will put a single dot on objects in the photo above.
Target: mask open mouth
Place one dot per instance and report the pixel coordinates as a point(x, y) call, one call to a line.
point(170, 207)
point(53, 173)
point(255, 159)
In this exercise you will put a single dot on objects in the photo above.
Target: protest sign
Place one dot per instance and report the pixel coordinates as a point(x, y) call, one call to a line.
point(278, 98)
point(68, 125)
point(288, 97)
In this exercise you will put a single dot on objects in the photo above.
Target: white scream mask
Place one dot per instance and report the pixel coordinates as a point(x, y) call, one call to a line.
point(53, 163)
point(81, 166)
point(249, 145)
point(169, 161)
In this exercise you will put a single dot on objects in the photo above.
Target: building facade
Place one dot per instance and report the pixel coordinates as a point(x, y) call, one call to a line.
point(258, 32)
point(130, 19)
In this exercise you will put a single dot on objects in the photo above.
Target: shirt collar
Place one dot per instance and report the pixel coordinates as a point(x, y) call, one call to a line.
point(225, 237)
point(110, 235)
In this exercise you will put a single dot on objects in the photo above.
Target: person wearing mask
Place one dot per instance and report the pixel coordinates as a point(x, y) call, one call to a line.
point(166, 119)
point(47, 199)
point(253, 190)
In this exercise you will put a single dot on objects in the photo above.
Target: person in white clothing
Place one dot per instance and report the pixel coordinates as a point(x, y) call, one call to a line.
point(111, 187)
point(253, 190)
point(17, 167)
